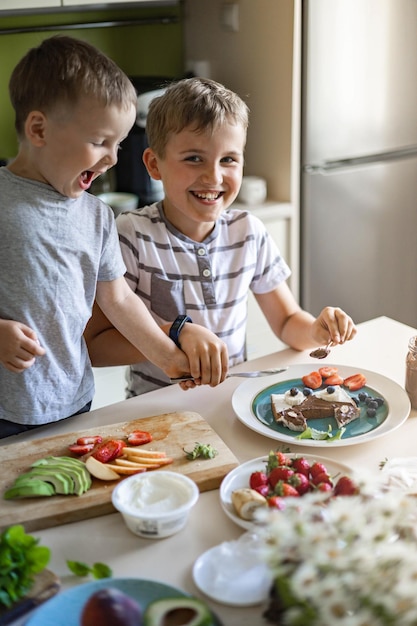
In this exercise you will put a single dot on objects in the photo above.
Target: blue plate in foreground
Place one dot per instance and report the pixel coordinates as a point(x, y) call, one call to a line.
point(65, 609)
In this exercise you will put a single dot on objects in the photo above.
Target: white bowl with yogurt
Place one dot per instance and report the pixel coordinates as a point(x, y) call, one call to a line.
point(155, 504)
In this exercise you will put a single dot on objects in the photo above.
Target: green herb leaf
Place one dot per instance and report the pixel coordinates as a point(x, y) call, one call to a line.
point(78, 568)
point(21, 558)
point(313, 433)
point(98, 570)
point(204, 450)
point(101, 570)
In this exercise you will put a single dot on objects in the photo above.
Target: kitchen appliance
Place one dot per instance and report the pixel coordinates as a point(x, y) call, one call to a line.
point(359, 158)
point(131, 174)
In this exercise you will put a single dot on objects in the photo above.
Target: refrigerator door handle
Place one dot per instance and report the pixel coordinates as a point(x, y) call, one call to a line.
point(390, 155)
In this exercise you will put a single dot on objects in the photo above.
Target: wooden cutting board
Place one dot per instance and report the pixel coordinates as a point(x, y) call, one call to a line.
point(171, 432)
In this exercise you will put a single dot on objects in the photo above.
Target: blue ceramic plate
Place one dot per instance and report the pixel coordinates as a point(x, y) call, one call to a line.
point(65, 609)
point(252, 405)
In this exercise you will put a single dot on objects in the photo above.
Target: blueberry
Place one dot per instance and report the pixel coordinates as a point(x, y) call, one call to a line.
point(307, 391)
point(330, 389)
point(362, 396)
point(293, 391)
point(372, 404)
point(355, 400)
point(368, 399)
point(380, 401)
point(370, 412)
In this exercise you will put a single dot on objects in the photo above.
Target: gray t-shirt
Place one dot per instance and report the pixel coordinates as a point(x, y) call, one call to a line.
point(53, 250)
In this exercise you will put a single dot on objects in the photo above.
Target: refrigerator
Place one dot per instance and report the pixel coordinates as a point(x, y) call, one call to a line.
point(358, 188)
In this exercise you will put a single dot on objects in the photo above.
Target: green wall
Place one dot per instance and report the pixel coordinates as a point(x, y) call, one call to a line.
point(149, 50)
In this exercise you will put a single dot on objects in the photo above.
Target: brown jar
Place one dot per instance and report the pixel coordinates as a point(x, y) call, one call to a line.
point(411, 372)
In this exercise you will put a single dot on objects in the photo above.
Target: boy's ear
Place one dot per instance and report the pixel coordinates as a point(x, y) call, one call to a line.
point(151, 163)
point(35, 126)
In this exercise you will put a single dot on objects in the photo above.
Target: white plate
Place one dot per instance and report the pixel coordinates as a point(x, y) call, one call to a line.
point(251, 403)
point(232, 573)
point(239, 478)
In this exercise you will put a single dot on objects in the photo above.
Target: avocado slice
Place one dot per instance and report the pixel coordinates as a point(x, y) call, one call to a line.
point(31, 487)
point(72, 467)
point(50, 476)
point(185, 611)
point(61, 481)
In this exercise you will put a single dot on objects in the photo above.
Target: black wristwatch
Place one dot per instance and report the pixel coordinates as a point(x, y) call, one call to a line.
point(176, 328)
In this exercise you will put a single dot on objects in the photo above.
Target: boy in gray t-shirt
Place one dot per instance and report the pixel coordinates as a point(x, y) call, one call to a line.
point(59, 248)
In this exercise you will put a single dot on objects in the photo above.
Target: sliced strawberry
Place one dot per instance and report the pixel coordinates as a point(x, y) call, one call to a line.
point(312, 380)
point(325, 372)
point(109, 450)
point(80, 449)
point(92, 439)
point(334, 379)
point(355, 382)
point(139, 437)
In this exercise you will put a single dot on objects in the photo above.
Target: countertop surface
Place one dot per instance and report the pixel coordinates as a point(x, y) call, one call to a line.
point(380, 346)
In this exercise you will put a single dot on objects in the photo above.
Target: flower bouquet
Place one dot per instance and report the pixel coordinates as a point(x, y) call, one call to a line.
point(350, 561)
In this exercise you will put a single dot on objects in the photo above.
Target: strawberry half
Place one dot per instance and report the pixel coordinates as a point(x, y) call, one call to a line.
point(81, 449)
point(312, 380)
point(109, 450)
point(355, 382)
point(139, 437)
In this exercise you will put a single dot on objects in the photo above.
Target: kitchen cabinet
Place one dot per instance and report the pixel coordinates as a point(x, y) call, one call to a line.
point(8, 5)
point(75, 3)
point(276, 216)
point(15, 5)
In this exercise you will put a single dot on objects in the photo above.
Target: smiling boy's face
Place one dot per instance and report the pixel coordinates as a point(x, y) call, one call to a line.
point(70, 151)
point(201, 173)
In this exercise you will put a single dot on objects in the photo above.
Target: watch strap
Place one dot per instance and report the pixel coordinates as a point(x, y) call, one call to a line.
point(176, 328)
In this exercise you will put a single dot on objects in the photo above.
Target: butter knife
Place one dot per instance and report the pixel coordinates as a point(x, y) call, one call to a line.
point(254, 374)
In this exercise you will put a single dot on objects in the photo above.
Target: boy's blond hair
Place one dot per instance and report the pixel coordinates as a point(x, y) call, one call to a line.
point(59, 72)
point(199, 103)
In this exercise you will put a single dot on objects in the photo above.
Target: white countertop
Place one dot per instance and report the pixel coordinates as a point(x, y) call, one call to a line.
point(380, 346)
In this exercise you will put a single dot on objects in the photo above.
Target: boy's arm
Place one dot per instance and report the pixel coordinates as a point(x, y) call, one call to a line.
point(298, 328)
point(205, 354)
point(106, 345)
point(19, 346)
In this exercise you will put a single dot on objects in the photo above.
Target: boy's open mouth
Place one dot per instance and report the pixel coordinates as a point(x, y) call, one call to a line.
point(86, 178)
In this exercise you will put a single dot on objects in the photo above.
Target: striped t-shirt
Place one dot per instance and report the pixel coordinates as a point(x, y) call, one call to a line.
point(208, 281)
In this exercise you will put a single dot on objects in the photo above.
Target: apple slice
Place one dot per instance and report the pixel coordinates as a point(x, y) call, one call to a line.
point(126, 471)
point(100, 470)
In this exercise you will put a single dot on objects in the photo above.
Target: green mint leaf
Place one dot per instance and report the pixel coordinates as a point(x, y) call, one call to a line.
point(101, 570)
point(20, 560)
point(78, 568)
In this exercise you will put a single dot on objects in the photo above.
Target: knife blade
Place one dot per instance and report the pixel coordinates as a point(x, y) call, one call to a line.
point(254, 374)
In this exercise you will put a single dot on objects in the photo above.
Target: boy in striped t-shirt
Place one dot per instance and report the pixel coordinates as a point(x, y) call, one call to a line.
point(191, 254)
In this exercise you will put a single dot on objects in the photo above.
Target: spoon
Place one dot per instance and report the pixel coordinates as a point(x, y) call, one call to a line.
point(321, 353)
point(254, 374)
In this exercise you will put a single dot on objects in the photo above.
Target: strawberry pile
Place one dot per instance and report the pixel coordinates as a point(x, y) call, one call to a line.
point(286, 476)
